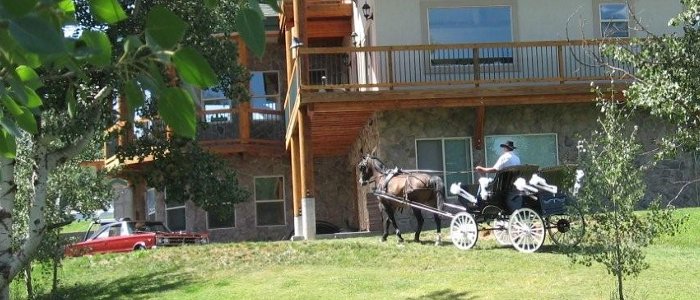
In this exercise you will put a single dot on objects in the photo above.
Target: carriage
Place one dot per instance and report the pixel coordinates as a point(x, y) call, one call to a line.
point(518, 211)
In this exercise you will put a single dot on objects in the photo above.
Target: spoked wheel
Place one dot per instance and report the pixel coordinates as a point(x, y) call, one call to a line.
point(500, 231)
point(566, 229)
point(526, 230)
point(464, 231)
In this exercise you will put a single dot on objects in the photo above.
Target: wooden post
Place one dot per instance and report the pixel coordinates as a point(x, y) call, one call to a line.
point(296, 175)
point(242, 52)
point(306, 158)
point(390, 67)
point(560, 60)
point(477, 68)
point(139, 199)
point(479, 127)
point(299, 7)
point(244, 121)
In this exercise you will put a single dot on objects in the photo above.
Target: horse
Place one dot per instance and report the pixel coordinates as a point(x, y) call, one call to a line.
point(404, 185)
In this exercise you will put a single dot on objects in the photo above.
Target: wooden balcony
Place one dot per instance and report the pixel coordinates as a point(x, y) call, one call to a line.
point(324, 18)
point(345, 85)
point(228, 131)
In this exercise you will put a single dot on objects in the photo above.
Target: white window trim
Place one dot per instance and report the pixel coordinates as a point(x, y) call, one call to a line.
point(469, 168)
point(514, 33)
point(279, 90)
point(235, 219)
point(172, 208)
point(599, 23)
point(283, 200)
point(556, 141)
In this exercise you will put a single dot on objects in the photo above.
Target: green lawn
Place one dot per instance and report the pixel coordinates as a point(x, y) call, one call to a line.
point(364, 268)
point(76, 226)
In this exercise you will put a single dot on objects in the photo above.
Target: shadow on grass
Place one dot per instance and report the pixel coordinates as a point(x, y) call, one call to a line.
point(143, 286)
point(446, 294)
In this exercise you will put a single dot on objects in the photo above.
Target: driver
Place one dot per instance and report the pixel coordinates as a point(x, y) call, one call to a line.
point(507, 159)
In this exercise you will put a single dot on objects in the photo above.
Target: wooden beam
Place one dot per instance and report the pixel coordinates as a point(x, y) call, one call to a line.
point(322, 10)
point(479, 127)
point(306, 158)
point(296, 176)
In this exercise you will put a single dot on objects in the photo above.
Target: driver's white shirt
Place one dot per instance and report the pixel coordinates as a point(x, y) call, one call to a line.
point(506, 160)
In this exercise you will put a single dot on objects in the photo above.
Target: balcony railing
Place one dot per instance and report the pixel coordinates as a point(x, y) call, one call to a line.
point(242, 123)
point(392, 67)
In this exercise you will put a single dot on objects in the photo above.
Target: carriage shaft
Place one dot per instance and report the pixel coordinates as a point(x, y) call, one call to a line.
point(415, 205)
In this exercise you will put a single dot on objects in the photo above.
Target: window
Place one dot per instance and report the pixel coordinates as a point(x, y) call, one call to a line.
point(175, 216)
point(533, 149)
point(269, 201)
point(478, 24)
point(265, 90)
point(221, 218)
point(614, 20)
point(216, 106)
point(151, 204)
point(451, 157)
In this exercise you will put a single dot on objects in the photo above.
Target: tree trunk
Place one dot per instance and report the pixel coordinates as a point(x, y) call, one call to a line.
point(619, 285)
point(7, 206)
point(28, 281)
point(54, 285)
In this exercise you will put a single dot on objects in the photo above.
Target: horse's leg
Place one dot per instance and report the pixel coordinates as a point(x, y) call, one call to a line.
point(438, 224)
point(383, 211)
point(390, 214)
point(419, 227)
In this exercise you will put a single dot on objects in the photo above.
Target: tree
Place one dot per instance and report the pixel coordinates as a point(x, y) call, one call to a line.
point(36, 57)
point(616, 234)
point(667, 77)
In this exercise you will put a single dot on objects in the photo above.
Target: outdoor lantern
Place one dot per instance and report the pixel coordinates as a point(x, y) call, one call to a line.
point(367, 11)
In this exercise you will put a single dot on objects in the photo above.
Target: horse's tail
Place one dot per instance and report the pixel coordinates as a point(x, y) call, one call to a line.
point(439, 188)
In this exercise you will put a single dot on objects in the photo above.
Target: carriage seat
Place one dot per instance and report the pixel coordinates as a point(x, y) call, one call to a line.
point(503, 193)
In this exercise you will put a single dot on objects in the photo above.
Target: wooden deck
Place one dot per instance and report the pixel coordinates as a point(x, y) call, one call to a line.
point(346, 85)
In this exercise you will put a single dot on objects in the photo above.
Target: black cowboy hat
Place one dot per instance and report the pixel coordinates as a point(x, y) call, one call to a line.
point(509, 145)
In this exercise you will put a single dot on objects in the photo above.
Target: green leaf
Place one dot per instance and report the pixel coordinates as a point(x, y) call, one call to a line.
point(250, 26)
point(11, 105)
point(8, 146)
point(37, 35)
point(255, 5)
point(211, 3)
point(177, 109)
point(10, 126)
point(67, 6)
point(71, 102)
point(101, 47)
point(164, 28)
point(273, 4)
point(27, 121)
point(108, 11)
point(134, 95)
point(29, 77)
point(132, 44)
point(18, 8)
point(193, 68)
point(33, 100)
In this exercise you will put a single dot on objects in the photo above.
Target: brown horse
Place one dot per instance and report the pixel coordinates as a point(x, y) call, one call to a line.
point(411, 186)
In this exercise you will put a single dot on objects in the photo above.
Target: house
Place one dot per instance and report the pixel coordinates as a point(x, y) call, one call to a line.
point(426, 84)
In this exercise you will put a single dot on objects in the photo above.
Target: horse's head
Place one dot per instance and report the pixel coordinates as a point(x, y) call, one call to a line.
point(366, 169)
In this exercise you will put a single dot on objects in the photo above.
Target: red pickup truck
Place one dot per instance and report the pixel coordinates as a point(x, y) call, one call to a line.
point(126, 235)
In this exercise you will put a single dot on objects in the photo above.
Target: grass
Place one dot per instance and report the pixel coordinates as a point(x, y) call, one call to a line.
point(76, 226)
point(364, 268)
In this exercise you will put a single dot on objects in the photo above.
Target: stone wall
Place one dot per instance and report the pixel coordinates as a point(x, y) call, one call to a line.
point(394, 134)
point(335, 197)
point(247, 167)
point(367, 141)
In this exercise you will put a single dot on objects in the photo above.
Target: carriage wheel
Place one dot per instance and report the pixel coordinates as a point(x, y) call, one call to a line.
point(566, 229)
point(464, 231)
point(500, 231)
point(526, 230)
